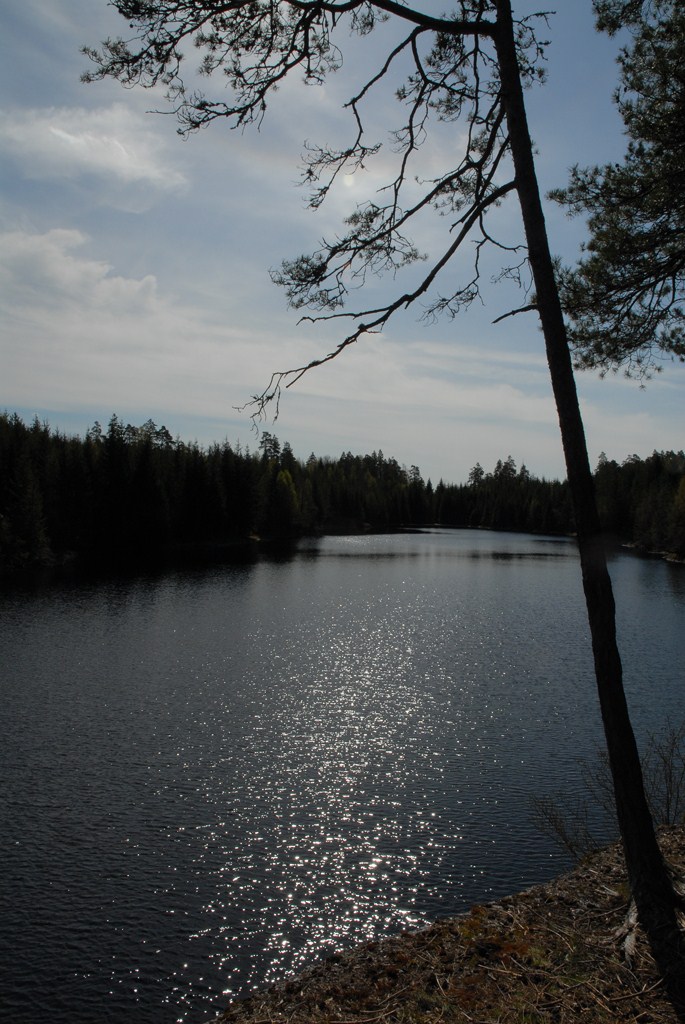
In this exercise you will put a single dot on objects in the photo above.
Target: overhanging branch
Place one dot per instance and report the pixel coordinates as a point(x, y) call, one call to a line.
point(530, 308)
point(380, 316)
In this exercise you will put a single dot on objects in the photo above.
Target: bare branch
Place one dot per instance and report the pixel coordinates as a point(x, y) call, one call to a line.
point(379, 317)
point(256, 44)
point(530, 308)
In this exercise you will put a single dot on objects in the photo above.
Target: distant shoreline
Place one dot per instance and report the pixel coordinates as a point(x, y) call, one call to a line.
point(244, 551)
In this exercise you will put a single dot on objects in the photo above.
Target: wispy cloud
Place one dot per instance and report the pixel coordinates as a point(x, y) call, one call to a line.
point(114, 142)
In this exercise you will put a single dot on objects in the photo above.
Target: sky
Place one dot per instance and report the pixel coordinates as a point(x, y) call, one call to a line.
point(134, 266)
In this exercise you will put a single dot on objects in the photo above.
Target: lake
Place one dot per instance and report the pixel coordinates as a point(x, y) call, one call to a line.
point(212, 777)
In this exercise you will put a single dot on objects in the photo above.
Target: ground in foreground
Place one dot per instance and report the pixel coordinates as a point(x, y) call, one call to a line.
point(555, 954)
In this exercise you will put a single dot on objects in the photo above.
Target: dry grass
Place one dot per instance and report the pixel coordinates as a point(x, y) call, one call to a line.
point(554, 954)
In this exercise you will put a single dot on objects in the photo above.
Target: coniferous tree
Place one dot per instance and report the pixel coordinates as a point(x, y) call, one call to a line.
point(626, 296)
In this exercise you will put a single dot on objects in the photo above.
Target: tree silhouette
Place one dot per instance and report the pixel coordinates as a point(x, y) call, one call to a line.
point(626, 295)
point(468, 67)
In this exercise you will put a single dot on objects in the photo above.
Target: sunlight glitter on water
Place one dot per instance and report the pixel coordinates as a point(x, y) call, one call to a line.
point(337, 807)
point(215, 777)
point(327, 825)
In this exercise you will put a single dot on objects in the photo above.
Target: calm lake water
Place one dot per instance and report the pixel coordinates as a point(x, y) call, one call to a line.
point(211, 778)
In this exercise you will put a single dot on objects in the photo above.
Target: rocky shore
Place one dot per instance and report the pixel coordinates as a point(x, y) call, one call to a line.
point(567, 951)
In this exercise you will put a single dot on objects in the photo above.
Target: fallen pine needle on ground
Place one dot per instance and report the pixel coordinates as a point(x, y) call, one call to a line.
point(554, 954)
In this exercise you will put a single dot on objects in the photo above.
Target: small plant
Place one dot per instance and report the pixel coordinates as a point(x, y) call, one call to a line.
point(582, 824)
point(664, 775)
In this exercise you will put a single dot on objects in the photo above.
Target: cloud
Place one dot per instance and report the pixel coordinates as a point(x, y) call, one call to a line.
point(408, 380)
point(115, 143)
point(80, 333)
point(75, 332)
point(39, 271)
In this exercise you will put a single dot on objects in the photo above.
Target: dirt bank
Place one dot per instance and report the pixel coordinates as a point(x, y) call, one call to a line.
point(554, 954)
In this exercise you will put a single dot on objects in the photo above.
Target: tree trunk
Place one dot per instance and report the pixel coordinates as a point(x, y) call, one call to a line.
point(650, 881)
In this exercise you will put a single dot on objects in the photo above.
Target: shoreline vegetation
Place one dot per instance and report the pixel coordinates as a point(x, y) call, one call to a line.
point(129, 497)
point(569, 950)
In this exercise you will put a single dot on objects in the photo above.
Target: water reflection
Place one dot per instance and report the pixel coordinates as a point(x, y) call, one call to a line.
point(213, 777)
point(439, 543)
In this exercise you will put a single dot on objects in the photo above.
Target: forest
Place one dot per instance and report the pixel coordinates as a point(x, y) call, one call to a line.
point(135, 493)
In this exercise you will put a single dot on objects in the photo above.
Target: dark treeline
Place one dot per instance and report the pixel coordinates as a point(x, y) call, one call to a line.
point(129, 491)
